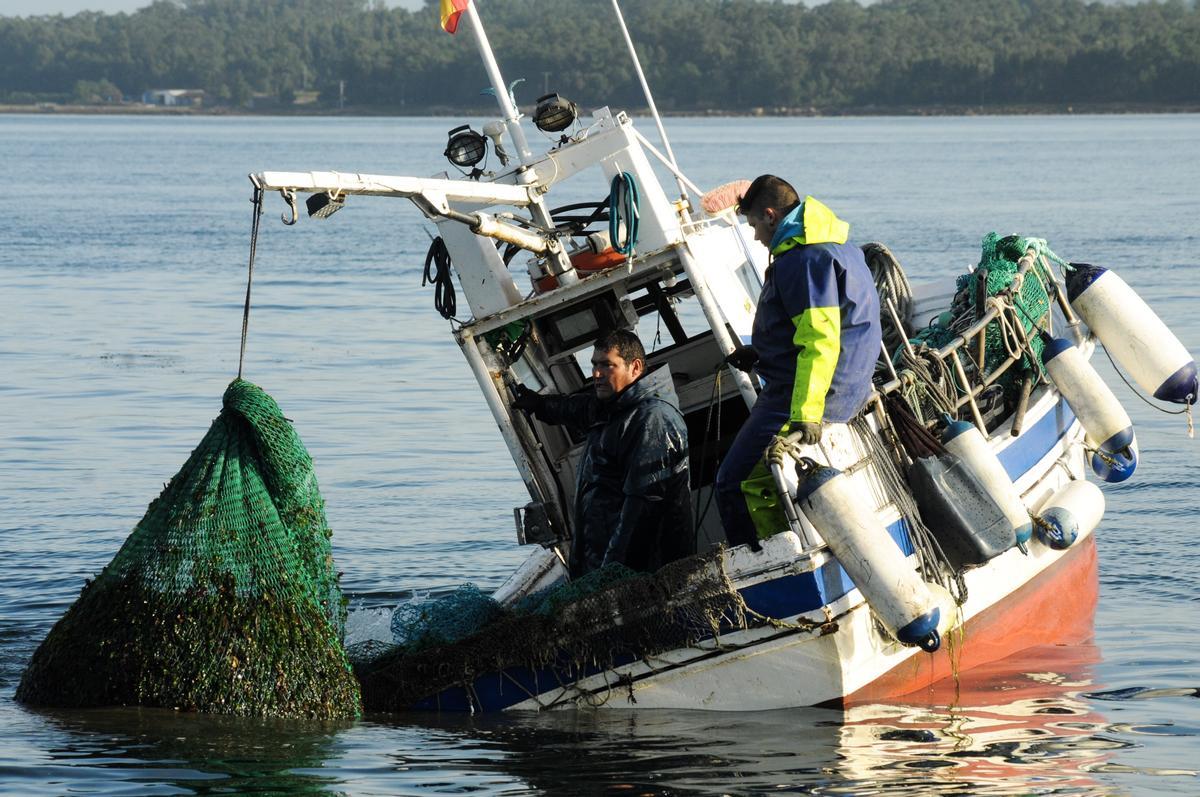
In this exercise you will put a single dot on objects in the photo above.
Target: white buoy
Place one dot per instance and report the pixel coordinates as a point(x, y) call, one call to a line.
point(1074, 510)
point(876, 565)
point(1098, 411)
point(966, 442)
point(1132, 333)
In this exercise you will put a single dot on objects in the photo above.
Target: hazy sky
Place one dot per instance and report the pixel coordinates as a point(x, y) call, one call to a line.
point(22, 8)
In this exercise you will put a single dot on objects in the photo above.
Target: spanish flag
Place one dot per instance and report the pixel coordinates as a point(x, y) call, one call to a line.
point(451, 10)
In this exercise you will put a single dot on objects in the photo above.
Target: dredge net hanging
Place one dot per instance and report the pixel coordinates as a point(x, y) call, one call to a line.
point(224, 598)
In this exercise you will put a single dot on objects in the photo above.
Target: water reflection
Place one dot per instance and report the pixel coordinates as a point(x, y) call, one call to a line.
point(163, 752)
point(1026, 725)
point(1004, 730)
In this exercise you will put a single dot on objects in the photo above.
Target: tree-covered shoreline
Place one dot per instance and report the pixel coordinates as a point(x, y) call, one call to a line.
point(701, 56)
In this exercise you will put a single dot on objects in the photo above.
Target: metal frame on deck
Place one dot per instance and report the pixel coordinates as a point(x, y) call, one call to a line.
point(977, 332)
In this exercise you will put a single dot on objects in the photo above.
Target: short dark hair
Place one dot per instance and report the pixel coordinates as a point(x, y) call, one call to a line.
point(768, 191)
point(627, 344)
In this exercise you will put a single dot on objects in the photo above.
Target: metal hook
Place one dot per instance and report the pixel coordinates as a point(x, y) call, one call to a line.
point(290, 198)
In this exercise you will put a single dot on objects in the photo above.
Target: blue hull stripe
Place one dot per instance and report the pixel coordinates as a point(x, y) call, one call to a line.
point(1036, 441)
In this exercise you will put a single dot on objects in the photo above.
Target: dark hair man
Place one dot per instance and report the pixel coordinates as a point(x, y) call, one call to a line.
point(632, 501)
point(816, 337)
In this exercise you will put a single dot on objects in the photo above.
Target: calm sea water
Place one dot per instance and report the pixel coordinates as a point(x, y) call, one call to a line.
point(122, 265)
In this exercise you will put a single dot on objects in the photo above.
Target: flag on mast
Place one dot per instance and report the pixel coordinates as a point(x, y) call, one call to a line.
point(451, 10)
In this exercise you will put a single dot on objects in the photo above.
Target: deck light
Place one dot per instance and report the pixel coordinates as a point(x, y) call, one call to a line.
point(554, 113)
point(494, 131)
point(324, 205)
point(465, 147)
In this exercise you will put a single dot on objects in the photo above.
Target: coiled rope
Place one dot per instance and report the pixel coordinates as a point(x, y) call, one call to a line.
point(623, 201)
point(926, 381)
point(892, 283)
point(444, 299)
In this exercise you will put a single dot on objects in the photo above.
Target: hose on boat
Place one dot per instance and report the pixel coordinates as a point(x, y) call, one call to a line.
point(444, 299)
point(623, 201)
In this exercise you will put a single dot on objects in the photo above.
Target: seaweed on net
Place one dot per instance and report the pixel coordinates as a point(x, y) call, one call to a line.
point(224, 598)
point(608, 616)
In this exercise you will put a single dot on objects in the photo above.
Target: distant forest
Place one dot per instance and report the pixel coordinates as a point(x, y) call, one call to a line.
point(699, 55)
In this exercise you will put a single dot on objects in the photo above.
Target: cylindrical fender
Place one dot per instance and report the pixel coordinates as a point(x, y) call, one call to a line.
point(1102, 416)
point(1133, 334)
point(1115, 466)
point(966, 442)
point(873, 561)
point(1074, 510)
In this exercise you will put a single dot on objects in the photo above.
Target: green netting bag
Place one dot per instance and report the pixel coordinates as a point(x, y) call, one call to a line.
point(998, 260)
point(224, 598)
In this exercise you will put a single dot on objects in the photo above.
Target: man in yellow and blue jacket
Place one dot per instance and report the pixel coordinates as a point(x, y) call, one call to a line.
point(817, 337)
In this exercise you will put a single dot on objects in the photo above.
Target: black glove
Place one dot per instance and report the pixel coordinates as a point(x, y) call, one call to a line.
point(742, 358)
point(525, 399)
point(806, 434)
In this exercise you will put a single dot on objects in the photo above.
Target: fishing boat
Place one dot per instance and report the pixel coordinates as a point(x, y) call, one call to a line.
point(950, 525)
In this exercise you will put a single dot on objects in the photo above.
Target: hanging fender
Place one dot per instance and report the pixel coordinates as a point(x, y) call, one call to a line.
point(1098, 410)
point(907, 605)
point(965, 441)
point(1114, 466)
point(1074, 510)
point(1132, 333)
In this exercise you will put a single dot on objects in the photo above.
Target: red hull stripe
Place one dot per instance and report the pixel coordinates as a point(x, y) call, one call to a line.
point(1056, 607)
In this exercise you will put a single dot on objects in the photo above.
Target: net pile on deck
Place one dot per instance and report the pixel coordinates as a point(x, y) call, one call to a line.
point(1029, 303)
point(224, 598)
point(606, 617)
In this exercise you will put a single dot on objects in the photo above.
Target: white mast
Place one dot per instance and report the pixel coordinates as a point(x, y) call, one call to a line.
point(662, 132)
point(512, 117)
point(512, 121)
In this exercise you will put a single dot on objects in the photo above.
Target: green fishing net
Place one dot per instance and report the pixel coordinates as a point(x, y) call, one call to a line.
point(224, 598)
point(998, 266)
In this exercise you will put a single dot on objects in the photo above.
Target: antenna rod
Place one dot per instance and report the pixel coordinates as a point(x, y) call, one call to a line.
point(561, 267)
point(511, 115)
point(637, 65)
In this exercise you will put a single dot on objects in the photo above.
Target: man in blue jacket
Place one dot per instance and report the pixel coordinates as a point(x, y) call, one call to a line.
point(817, 337)
point(632, 499)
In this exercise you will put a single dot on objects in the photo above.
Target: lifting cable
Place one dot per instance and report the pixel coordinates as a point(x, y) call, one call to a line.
point(258, 209)
point(714, 410)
